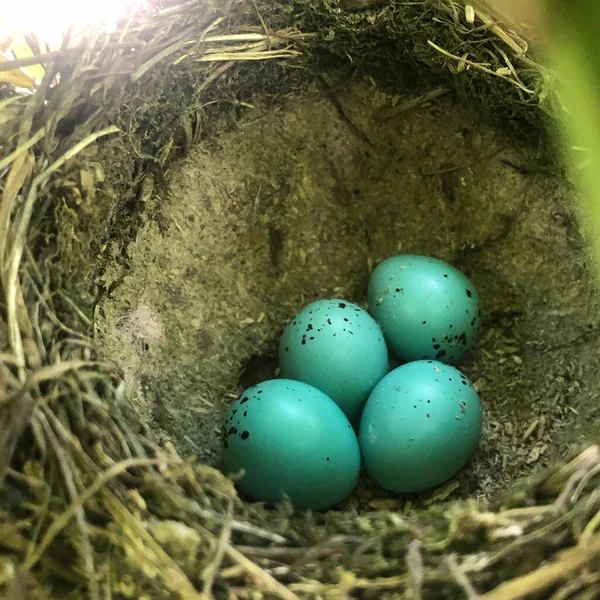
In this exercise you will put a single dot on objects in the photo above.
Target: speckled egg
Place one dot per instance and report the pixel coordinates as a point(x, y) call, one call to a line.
point(337, 347)
point(426, 308)
point(290, 439)
point(420, 426)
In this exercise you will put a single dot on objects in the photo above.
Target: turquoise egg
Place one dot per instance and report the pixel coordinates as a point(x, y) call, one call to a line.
point(290, 439)
point(337, 347)
point(426, 308)
point(420, 426)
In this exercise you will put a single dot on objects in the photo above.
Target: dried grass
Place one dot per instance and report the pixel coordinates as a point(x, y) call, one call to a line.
point(90, 505)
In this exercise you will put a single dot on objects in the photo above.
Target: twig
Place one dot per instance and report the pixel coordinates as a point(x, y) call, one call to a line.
point(76, 511)
point(149, 551)
point(242, 56)
point(590, 529)
point(388, 113)
point(211, 571)
point(76, 309)
point(62, 520)
point(12, 284)
point(566, 564)
point(259, 575)
point(257, 531)
point(30, 61)
point(9, 158)
point(520, 49)
point(414, 565)
point(563, 498)
point(584, 481)
point(465, 61)
point(166, 52)
point(215, 75)
point(329, 92)
point(54, 371)
point(334, 591)
point(262, 22)
point(461, 578)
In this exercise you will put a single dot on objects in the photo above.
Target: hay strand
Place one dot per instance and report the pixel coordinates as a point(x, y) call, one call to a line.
point(131, 518)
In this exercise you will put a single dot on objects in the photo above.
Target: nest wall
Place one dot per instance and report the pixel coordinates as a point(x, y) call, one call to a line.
point(91, 506)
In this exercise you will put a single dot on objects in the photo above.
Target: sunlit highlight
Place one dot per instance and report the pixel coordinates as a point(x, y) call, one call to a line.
point(48, 20)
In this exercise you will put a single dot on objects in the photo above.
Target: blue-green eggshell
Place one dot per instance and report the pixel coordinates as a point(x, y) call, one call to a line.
point(337, 347)
point(290, 439)
point(420, 426)
point(426, 308)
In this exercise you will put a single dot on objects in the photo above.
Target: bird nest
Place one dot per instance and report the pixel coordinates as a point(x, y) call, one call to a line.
point(155, 163)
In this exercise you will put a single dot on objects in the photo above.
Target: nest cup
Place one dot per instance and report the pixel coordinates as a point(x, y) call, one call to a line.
point(186, 186)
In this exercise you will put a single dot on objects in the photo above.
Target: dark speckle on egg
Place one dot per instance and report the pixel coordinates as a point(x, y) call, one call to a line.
point(244, 400)
point(342, 305)
point(245, 435)
point(469, 293)
point(440, 354)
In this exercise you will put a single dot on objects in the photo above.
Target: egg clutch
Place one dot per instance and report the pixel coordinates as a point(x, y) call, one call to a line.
point(337, 406)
